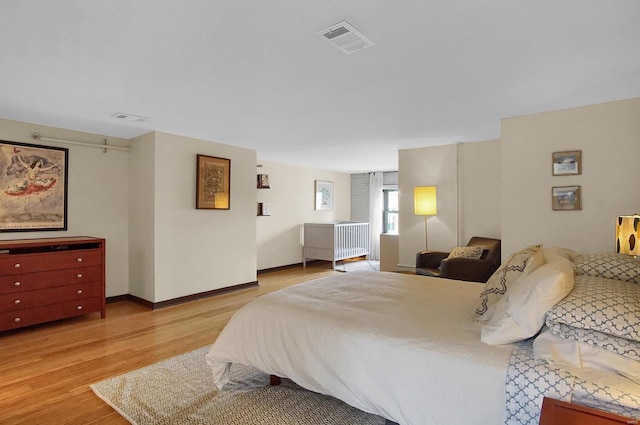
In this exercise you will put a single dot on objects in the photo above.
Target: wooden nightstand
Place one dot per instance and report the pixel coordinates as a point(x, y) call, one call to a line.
point(556, 412)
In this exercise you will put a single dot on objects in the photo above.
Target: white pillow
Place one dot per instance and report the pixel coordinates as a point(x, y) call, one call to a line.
point(553, 348)
point(556, 253)
point(520, 314)
point(515, 267)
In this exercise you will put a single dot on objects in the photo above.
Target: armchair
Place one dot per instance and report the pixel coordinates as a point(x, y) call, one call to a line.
point(438, 264)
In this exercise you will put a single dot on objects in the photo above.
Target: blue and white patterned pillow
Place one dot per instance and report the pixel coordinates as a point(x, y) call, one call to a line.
point(609, 265)
point(602, 312)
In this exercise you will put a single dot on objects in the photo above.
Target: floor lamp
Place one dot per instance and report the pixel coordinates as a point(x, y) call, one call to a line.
point(424, 203)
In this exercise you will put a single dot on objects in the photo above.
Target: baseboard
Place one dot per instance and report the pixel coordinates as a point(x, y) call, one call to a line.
point(180, 300)
point(288, 266)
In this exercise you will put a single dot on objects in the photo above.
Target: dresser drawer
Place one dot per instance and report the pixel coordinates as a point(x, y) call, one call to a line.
point(41, 280)
point(30, 299)
point(29, 263)
point(32, 316)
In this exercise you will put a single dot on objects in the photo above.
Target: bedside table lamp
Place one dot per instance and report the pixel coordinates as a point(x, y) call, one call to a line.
point(424, 203)
point(627, 234)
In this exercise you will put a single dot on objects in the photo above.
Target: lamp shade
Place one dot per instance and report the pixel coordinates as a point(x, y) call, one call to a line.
point(627, 234)
point(424, 200)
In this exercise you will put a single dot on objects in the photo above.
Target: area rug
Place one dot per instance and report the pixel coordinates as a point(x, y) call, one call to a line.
point(352, 266)
point(180, 391)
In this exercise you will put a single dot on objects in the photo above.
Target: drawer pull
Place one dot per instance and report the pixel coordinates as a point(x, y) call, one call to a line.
point(79, 307)
point(17, 319)
point(17, 284)
point(17, 265)
point(79, 275)
point(79, 259)
point(16, 302)
point(79, 291)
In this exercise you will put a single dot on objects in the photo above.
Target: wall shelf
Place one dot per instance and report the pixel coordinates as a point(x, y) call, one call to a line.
point(263, 209)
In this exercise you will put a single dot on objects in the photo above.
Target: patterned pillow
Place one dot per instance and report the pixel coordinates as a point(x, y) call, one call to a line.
point(519, 264)
point(601, 312)
point(609, 265)
point(474, 252)
point(520, 314)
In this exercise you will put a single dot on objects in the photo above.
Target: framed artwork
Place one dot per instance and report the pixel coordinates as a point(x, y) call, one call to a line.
point(567, 163)
point(33, 179)
point(324, 195)
point(213, 183)
point(263, 181)
point(566, 198)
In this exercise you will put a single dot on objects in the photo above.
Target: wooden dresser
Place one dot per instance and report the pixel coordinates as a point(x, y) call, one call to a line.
point(50, 279)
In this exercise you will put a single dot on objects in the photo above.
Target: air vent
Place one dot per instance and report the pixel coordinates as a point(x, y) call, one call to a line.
point(129, 117)
point(346, 38)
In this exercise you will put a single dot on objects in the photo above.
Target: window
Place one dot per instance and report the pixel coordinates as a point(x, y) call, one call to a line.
point(390, 213)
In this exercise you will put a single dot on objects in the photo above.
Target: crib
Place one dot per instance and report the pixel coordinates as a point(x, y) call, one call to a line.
point(334, 241)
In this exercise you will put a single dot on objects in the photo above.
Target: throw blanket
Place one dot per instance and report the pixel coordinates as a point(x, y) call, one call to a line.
point(528, 381)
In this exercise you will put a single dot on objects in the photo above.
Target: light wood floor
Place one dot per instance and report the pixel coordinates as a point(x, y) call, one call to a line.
point(46, 370)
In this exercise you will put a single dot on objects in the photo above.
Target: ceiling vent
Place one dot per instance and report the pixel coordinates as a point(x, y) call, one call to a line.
point(346, 38)
point(129, 117)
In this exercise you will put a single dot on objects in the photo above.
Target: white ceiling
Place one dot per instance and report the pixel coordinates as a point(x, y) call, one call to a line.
point(254, 73)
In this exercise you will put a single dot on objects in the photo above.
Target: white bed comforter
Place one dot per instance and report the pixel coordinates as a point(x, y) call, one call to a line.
point(401, 346)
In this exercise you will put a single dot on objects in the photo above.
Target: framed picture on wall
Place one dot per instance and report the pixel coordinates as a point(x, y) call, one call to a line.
point(566, 198)
point(324, 195)
point(567, 163)
point(263, 181)
point(213, 183)
point(33, 181)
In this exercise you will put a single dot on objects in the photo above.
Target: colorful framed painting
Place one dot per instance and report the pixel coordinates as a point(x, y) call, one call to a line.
point(324, 195)
point(566, 198)
point(567, 163)
point(213, 183)
point(33, 179)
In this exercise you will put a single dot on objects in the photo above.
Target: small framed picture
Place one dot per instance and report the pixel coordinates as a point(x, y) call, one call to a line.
point(213, 183)
point(567, 163)
point(564, 198)
point(263, 181)
point(324, 195)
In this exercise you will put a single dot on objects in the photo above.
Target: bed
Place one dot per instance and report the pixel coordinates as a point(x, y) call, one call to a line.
point(413, 349)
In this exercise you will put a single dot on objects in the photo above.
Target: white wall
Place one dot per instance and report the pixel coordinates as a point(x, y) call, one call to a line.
point(97, 195)
point(433, 166)
point(194, 250)
point(143, 203)
point(142, 188)
point(468, 178)
point(291, 200)
point(609, 136)
point(479, 199)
